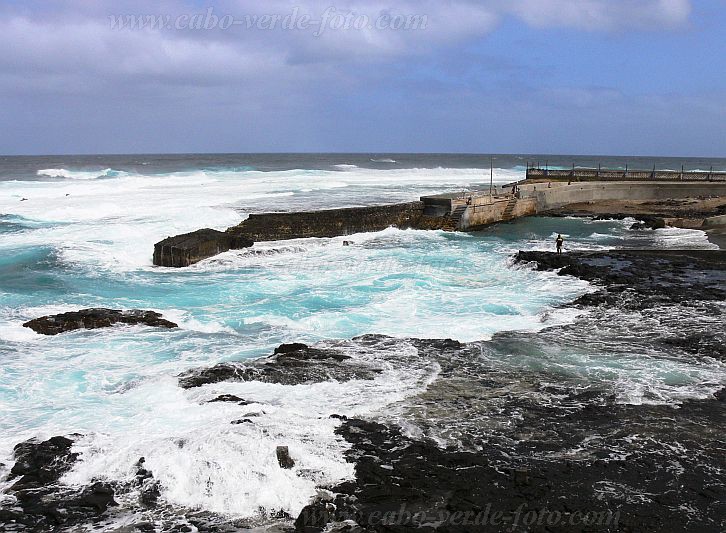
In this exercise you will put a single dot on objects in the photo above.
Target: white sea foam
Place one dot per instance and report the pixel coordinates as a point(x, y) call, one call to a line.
point(113, 223)
point(79, 175)
point(203, 461)
point(117, 386)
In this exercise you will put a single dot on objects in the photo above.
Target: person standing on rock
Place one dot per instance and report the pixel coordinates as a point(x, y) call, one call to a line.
point(560, 241)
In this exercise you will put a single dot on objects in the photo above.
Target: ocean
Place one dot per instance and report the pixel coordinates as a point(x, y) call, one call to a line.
point(78, 232)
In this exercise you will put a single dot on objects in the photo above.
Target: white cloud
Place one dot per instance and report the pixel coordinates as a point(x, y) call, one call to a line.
point(603, 15)
point(76, 39)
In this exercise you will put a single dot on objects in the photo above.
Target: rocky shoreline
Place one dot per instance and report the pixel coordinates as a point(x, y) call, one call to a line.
point(555, 455)
point(508, 437)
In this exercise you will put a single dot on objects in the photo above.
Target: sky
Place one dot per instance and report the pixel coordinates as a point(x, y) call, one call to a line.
point(610, 77)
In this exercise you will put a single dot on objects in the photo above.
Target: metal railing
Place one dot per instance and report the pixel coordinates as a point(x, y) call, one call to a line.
point(578, 173)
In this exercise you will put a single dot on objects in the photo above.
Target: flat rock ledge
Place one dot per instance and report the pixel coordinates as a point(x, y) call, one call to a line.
point(95, 319)
point(189, 248)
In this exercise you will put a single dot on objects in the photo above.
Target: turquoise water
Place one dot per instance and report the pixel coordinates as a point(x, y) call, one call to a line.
point(80, 242)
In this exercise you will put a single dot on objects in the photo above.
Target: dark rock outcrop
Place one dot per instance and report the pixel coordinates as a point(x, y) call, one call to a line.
point(149, 489)
point(189, 248)
point(38, 463)
point(43, 504)
point(404, 484)
point(291, 364)
point(656, 276)
point(283, 457)
point(229, 398)
point(94, 319)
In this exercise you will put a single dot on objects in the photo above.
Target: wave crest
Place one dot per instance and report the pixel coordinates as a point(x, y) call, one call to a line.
point(80, 174)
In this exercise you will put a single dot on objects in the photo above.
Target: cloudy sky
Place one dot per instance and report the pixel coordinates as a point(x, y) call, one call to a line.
point(550, 76)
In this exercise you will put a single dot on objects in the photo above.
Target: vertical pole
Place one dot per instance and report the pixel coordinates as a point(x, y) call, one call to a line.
point(491, 177)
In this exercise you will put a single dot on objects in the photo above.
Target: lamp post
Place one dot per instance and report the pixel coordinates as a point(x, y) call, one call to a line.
point(491, 177)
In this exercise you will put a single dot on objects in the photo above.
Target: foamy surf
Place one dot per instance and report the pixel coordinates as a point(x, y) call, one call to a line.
point(80, 242)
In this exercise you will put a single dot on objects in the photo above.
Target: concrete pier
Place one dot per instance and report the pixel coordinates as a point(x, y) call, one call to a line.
point(686, 201)
point(473, 210)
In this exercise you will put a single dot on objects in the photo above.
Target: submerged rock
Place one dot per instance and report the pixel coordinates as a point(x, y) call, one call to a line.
point(283, 457)
point(229, 398)
point(94, 319)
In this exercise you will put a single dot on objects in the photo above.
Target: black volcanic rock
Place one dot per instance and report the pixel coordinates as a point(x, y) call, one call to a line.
point(229, 398)
point(43, 504)
point(38, 463)
point(292, 364)
point(404, 484)
point(149, 488)
point(189, 248)
point(283, 457)
point(655, 276)
point(292, 347)
point(94, 319)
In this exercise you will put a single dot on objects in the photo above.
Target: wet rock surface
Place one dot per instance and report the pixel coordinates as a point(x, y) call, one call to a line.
point(512, 438)
point(567, 475)
point(41, 503)
point(96, 318)
point(656, 277)
point(291, 364)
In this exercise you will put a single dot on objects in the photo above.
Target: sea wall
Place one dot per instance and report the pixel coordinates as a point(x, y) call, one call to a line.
point(479, 215)
point(465, 212)
point(561, 194)
point(334, 222)
point(190, 248)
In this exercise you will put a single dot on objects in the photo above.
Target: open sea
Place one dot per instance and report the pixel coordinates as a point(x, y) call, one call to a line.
point(78, 232)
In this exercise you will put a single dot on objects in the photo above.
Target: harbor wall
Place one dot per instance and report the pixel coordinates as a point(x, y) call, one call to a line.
point(560, 194)
point(334, 222)
point(465, 212)
point(484, 214)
